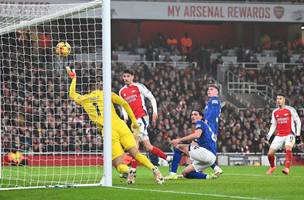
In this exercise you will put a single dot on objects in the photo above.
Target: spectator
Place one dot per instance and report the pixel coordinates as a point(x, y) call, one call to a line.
point(186, 44)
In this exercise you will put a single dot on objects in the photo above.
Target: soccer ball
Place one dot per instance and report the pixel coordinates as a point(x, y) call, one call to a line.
point(63, 49)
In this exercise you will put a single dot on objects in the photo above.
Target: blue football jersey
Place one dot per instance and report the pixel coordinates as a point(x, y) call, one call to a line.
point(208, 138)
point(212, 113)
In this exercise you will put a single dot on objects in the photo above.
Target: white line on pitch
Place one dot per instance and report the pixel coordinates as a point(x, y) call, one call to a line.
point(193, 193)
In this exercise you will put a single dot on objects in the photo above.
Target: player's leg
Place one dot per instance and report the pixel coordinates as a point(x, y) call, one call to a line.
point(217, 170)
point(154, 150)
point(146, 162)
point(276, 144)
point(289, 143)
point(117, 160)
point(144, 138)
point(177, 156)
point(202, 159)
point(117, 153)
point(128, 142)
point(134, 161)
point(193, 171)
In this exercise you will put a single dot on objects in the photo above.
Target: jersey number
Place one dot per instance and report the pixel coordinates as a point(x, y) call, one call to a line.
point(97, 108)
point(213, 137)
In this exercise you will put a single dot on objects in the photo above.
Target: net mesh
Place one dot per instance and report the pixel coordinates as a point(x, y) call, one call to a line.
point(46, 139)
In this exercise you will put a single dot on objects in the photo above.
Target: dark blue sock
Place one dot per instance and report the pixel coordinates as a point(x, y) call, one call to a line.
point(177, 156)
point(196, 175)
point(213, 166)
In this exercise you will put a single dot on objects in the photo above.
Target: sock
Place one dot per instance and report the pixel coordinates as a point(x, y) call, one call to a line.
point(122, 168)
point(156, 151)
point(213, 166)
point(216, 167)
point(288, 158)
point(177, 156)
point(133, 163)
point(144, 161)
point(271, 161)
point(196, 175)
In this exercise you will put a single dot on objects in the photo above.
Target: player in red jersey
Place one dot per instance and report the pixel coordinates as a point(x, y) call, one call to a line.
point(286, 123)
point(135, 93)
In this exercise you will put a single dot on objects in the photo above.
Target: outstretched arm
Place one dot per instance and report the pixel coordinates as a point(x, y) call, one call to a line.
point(78, 98)
point(124, 113)
point(120, 101)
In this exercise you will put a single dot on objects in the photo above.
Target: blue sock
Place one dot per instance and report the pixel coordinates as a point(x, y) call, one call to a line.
point(196, 175)
point(177, 156)
point(213, 166)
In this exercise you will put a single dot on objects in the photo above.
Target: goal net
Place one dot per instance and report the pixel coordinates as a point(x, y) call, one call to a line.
point(46, 139)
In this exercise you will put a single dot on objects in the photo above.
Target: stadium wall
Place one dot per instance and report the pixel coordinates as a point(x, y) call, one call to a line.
point(227, 34)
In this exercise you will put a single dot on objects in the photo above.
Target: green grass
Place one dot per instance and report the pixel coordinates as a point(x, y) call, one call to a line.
point(236, 183)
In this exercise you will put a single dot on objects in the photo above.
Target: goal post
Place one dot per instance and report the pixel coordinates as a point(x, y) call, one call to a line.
point(106, 52)
point(51, 137)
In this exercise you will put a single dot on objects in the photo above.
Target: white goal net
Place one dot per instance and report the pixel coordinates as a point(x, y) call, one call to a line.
point(46, 139)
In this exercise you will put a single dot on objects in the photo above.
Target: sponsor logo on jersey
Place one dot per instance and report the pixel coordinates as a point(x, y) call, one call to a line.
point(131, 98)
point(214, 101)
point(282, 120)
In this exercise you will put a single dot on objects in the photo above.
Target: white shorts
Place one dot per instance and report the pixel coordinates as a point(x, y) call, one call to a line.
point(143, 123)
point(281, 141)
point(201, 157)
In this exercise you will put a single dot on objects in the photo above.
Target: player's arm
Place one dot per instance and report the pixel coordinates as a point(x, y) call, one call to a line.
point(120, 101)
point(78, 98)
point(123, 111)
point(297, 120)
point(148, 94)
point(272, 127)
point(197, 133)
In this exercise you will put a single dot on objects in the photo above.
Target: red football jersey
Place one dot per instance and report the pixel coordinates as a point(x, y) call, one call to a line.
point(284, 120)
point(134, 94)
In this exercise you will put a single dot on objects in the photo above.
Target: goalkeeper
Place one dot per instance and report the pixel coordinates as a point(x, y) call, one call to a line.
point(122, 137)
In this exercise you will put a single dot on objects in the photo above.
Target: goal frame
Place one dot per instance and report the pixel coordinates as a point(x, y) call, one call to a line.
point(106, 180)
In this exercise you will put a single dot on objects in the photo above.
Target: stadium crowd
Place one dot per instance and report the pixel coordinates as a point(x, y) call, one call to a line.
point(37, 115)
point(286, 81)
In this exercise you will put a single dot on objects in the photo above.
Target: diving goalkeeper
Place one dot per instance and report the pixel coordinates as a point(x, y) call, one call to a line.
point(122, 137)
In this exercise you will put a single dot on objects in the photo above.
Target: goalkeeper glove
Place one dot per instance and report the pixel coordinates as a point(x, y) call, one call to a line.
point(71, 72)
point(298, 139)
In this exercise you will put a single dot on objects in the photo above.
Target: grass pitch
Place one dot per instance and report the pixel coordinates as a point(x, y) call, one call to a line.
point(238, 182)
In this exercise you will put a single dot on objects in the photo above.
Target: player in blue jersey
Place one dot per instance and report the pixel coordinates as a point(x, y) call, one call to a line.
point(211, 114)
point(213, 108)
point(202, 150)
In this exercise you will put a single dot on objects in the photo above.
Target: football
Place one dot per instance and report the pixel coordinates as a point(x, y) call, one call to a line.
point(63, 49)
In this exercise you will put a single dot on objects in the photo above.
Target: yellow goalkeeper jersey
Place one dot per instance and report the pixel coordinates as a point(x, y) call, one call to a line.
point(92, 103)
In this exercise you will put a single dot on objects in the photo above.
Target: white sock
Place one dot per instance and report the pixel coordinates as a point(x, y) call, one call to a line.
point(217, 168)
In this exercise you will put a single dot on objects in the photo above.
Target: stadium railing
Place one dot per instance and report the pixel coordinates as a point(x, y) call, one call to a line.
point(180, 64)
